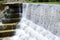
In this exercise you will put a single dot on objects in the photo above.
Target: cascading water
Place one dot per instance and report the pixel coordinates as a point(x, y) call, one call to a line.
point(39, 22)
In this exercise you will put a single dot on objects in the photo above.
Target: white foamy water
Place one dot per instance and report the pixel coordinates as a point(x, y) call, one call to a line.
point(30, 31)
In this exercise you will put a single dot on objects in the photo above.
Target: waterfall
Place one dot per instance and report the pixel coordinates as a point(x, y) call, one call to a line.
point(39, 22)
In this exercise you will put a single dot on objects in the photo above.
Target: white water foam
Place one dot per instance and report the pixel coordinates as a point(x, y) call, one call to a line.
point(30, 31)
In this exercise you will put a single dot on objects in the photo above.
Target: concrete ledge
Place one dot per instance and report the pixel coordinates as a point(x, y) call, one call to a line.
point(6, 31)
point(9, 24)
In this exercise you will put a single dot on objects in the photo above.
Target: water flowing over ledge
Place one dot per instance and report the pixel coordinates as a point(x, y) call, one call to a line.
point(46, 15)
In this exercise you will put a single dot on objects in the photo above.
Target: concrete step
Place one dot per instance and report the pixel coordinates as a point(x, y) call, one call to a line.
point(7, 30)
point(9, 26)
point(6, 33)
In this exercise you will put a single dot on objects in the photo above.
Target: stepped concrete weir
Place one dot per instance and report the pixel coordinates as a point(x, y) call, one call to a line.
point(38, 22)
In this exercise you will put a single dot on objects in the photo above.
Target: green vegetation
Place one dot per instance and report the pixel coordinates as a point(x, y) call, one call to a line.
point(3, 1)
point(43, 0)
